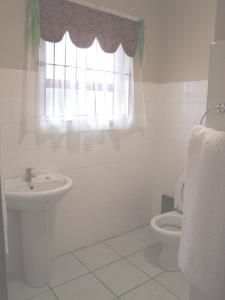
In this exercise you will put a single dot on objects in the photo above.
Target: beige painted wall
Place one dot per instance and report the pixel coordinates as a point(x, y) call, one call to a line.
point(12, 31)
point(178, 35)
point(187, 32)
point(220, 21)
point(12, 24)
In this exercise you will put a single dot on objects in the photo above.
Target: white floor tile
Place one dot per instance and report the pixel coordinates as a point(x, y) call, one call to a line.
point(149, 291)
point(97, 256)
point(66, 268)
point(121, 276)
point(18, 290)
point(126, 244)
point(84, 288)
point(147, 260)
point(45, 296)
point(146, 235)
point(176, 283)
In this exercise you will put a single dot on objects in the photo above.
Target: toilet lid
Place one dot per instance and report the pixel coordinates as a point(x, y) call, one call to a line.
point(179, 193)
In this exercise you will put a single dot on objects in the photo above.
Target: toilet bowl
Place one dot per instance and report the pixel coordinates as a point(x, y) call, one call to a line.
point(167, 230)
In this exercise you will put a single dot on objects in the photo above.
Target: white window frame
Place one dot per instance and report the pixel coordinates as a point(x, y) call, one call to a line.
point(119, 116)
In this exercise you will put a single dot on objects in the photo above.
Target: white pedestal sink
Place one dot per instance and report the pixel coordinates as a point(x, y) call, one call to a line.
point(32, 200)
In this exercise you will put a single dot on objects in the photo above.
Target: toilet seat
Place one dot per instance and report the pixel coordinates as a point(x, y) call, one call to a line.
point(163, 229)
point(171, 219)
point(166, 228)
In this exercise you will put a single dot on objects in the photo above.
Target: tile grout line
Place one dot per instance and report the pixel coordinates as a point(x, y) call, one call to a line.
point(136, 287)
point(89, 271)
point(103, 241)
point(49, 288)
point(125, 258)
point(37, 295)
point(70, 280)
point(150, 277)
point(92, 272)
point(138, 268)
point(122, 258)
point(117, 296)
point(98, 268)
point(53, 292)
point(136, 252)
point(129, 255)
point(155, 279)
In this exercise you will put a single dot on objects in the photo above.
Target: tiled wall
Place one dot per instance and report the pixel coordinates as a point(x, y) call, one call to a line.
point(117, 185)
point(216, 84)
point(111, 177)
point(178, 107)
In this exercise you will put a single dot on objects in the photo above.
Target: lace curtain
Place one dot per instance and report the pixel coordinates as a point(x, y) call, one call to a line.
point(85, 89)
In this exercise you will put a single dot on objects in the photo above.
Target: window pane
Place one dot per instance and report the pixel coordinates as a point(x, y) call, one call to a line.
point(59, 103)
point(81, 97)
point(70, 78)
point(59, 91)
point(109, 93)
point(91, 78)
point(49, 103)
point(91, 94)
point(105, 61)
point(90, 103)
point(70, 52)
point(109, 82)
point(49, 83)
point(81, 57)
point(81, 79)
point(91, 56)
point(70, 92)
point(49, 53)
point(59, 77)
point(86, 83)
point(100, 99)
point(60, 52)
point(109, 98)
point(81, 91)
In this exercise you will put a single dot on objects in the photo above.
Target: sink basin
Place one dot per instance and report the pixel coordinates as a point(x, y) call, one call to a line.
point(33, 201)
point(43, 190)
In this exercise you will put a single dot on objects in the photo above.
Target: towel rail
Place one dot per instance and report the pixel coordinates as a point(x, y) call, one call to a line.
point(219, 107)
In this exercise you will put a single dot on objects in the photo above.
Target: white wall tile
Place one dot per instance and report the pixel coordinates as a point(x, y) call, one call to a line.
point(179, 107)
point(118, 178)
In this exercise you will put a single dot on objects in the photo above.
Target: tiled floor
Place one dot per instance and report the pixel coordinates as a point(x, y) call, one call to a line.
point(121, 268)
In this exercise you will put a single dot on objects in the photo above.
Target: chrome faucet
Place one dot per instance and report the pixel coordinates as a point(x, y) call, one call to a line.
point(28, 175)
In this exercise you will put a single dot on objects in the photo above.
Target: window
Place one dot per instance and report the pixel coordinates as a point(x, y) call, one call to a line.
point(87, 85)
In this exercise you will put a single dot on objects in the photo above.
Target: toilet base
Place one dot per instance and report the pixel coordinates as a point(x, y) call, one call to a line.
point(168, 258)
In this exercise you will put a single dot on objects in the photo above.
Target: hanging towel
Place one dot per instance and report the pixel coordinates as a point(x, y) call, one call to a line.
point(202, 247)
point(2, 191)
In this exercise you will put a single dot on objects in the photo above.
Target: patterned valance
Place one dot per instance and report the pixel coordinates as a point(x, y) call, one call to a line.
point(84, 24)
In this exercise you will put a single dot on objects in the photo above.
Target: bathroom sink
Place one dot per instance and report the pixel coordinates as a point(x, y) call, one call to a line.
point(44, 189)
point(33, 199)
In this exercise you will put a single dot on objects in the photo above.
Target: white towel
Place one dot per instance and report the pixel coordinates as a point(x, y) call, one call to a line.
point(202, 247)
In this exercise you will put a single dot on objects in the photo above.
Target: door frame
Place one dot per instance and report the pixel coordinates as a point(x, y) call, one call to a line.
point(3, 267)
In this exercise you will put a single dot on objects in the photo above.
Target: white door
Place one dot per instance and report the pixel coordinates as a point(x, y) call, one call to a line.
point(3, 275)
point(3, 229)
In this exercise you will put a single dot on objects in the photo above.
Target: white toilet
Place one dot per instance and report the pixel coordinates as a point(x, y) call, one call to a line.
point(167, 230)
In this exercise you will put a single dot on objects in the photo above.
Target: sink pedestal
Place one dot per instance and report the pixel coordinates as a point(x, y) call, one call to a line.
point(35, 247)
point(33, 201)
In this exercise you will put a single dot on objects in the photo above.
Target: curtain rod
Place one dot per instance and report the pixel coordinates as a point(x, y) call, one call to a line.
point(106, 9)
